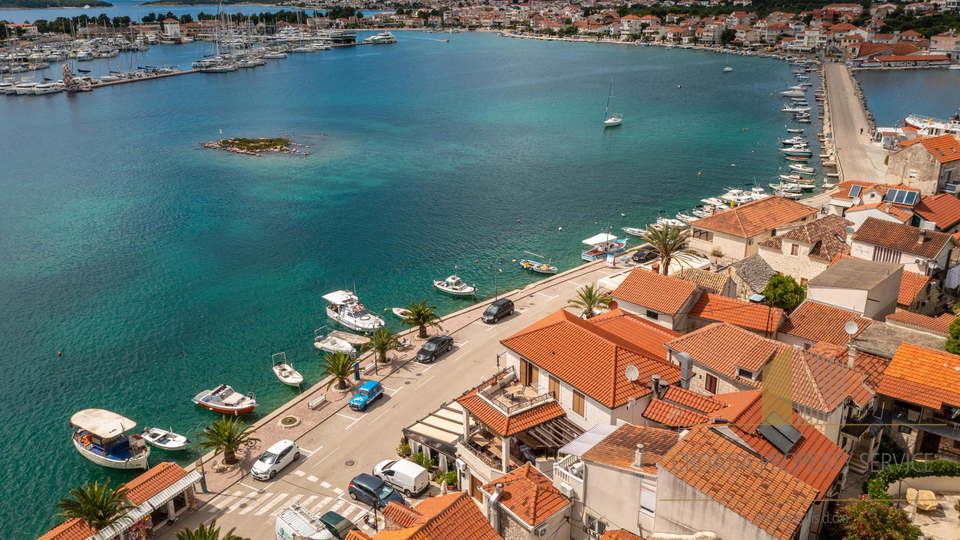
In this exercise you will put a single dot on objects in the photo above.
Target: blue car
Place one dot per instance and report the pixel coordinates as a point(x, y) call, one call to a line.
point(370, 391)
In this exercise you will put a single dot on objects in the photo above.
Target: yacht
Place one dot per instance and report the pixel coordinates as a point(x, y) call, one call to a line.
point(736, 196)
point(383, 38)
point(933, 126)
point(47, 88)
point(346, 309)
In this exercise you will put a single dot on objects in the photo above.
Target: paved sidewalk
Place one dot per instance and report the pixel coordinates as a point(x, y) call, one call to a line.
point(858, 158)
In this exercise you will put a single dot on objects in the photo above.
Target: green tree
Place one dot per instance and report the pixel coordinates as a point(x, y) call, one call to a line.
point(870, 519)
point(667, 242)
point(421, 315)
point(381, 342)
point(186, 18)
point(207, 532)
point(96, 504)
point(953, 342)
point(226, 436)
point(589, 299)
point(728, 35)
point(784, 292)
point(339, 367)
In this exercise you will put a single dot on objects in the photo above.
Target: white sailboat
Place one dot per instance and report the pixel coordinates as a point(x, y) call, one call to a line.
point(611, 119)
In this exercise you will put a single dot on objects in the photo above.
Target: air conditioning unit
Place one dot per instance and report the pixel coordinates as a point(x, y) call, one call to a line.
point(461, 465)
point(540, 531)
point(566, 489)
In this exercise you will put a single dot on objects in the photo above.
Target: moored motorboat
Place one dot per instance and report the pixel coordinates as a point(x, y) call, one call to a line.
point(802, 169)
point(383, 38)
point(284, 371)
point(225, 400)
point(332, 344)
point(454, 286)
point(165, 440)
point(346, 309)
point(634, 231)
point(794, 130)
point(797, 151)
point(602, 245)
point(403, 313)
point(538, 266)
point(99, 437)
point(799, 159)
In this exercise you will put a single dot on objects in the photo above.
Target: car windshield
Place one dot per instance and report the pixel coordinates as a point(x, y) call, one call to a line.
point(269, 458)
point(362, 392)
point(492, 310)
point(383, 491)
point(430, 346)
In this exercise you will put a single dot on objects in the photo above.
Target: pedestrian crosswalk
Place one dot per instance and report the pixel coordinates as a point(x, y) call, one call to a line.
point(271, 504)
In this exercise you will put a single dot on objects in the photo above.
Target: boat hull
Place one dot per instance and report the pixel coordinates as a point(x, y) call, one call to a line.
point(223, 410)
point(358, 325)
point(592, 255)
point(138, 462)
point(468, 292)
point(289, 377)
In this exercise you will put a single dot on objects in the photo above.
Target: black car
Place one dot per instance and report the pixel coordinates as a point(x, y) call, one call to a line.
point(372, 490)
point(432, 349)
point(641, 257)
point(497, 310)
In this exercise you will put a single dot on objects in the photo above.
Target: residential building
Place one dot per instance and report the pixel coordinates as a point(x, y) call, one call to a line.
point(665, 300)
point(813, 322)
point(171, 28)
point(918, 250)
point(712, 282)
point(805, 249)
point(939, 326)
point(751, 276)
point(947, 43)
point(448, 516)
point(918, 293)
point(645, 335)
point(736, 232)
point(758, 318)
point(524, 505)
point(942, 210)
point(869, 288)
point(886, 211)
point(929, 164)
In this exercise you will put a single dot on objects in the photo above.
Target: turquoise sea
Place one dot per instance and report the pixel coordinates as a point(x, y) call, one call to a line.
point(159, 269)
point(892, 95)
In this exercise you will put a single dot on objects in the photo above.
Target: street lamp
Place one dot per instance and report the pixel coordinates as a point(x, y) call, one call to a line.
point(496, 285)
point(203, 473)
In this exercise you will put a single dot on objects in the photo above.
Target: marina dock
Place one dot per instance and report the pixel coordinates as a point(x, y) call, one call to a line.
point(857, 158)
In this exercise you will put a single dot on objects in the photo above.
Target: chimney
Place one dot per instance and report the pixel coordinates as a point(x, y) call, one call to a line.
point(923, 234)
point(889, 206)
point(851, 355)
point(655, 386)
point(686, 368)
point(493, 512)
point(638, 458)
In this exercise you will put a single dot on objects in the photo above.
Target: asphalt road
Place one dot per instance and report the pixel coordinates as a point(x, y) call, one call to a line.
point(848, 119)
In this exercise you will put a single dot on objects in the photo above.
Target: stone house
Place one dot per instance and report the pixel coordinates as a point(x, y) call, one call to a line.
point(929, 164)
point(665, 300)
point(737, 231)
point(805, 249)
point(751, 276)
point(869, 288)
point(918, 250)
point(524, 505)
point(435, 517)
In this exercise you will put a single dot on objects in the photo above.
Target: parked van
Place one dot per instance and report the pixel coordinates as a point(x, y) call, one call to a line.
point(406, 476)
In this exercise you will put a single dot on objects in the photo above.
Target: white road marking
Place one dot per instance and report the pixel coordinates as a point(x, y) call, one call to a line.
point(379, 415)
point(355, 420)
point(299, 473)
point(225, 503)
point(291, 501)
point(346, 513)
point(338, 506)
point(575, 284)
point(312, 478)
point(324, 485)
point(321, 504)
point(309, 500)
point(547, 296)
point(425, 380)
point(257, 489)
point(253, 504)
point(326, 456)
point(266, 507)
point(460, 346)
point(393, 389)
point(338, 491)
point(310, 452)
point(394, 392)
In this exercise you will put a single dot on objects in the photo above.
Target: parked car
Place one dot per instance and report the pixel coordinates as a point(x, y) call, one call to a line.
point(373, 491)
point(274, 459)
point(641, 257)
point(295, 520)
point(406, 476)
point(366, 394)
point(497, 310)
point(433, 348)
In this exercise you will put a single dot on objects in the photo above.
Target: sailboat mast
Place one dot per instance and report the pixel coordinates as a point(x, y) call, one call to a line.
point(606, 111)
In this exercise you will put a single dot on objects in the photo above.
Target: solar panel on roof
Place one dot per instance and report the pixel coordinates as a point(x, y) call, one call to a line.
point(912, 197)
point(771, 434)
point(855, 191)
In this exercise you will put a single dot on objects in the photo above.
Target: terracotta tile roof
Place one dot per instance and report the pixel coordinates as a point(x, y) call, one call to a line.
point(647, 336)
point(693, 400)
point(819, 322)
point(942, 209)
point(711, 281)
point(619, 534)
point(910, 286)
point(843, 188)
point(529, 495)
point(723, 347)
point(873, 367)
point(71, 529)
point(824, 382)
point(749, 220)
point(940, 325)
point(743, 483)
point(822, 235)
point(893, 210)
point(672, 415)
point(945, 148)
point(619, 448)
point(666, 294)
point(589, 358)
point(152, 482)
point(744, 314)
point(447, 517)
point(505, 425)
point(901, 237)
point(923, 376)
point(403, 516)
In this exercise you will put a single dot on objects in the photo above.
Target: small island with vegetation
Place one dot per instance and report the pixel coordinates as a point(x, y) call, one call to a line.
point(43, 4)
point(255, 147)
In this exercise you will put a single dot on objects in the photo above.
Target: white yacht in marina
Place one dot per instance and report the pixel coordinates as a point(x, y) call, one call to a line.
point(347, 310)
point(383, 38)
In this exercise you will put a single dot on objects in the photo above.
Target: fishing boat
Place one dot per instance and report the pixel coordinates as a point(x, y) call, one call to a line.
point(794, 141)
point(346, 309)
point(403, 313)
point(165, 440)
point(602, 245)
point(538, 265)
point(797, 151)
point(455, 286)
point(686, 218)
point(794, 130)
point(611, 120)
point(284, 371)
point(225, 400)
point(332, 343)
point(99, 437)
point(802, 169)
point(634, 231)
point(802, 159)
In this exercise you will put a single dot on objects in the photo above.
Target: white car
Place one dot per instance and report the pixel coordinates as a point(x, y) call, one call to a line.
point(274, 459)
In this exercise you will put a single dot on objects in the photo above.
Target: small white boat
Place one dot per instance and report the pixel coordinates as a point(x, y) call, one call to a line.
point(165, 440)
point(794, 140)
point(794, 130)
point(284, 371)
point(634, 231)
point(736, 196)
point(453, 285)
point(99, 437)
point(403, 313)
point(537, 265)
point(802, 169)
point(225, 400)
point(347, 310)
point(828, 186)
point(686, 218)
point(727, 69)
point(758, 193)
point(332, 344)
point(794, 109)
point(614, 119)
point(671, 222)
point(275, 56)
point(797, 151)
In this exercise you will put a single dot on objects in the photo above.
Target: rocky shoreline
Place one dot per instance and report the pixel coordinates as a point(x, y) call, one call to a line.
point(257, 147)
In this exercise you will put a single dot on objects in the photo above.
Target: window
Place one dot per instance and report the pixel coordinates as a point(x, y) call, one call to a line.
point(795, 250)
point(554, 387)
point(744, 373)
point(653, 315)
point(912, 175)
point(595, 525)
point(534, 375)
point(578, 403)
point(648, 501)
point(710, 384)
point(701, 234)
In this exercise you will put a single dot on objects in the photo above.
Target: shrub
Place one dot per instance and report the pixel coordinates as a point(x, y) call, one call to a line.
point(450, 477)
point(404, 449)
point(784, 292)
point(870, 519)
point(876, 485)
point(422, 460)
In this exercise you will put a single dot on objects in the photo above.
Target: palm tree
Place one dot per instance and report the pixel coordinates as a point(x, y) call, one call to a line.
point(226, 437)
point(339, 367)
point(382, 341)
point(96, 504)
point(667, 243)
point(421, 315)
point(207, 532)
point(589, 299)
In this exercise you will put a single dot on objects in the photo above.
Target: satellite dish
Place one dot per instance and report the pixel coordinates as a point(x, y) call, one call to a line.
point(632, 373)
point(851, 328)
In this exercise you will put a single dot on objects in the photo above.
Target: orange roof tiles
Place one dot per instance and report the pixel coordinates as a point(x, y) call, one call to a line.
point(843, 191)
point(655, 291)
point(529, 495)
point(589, 357)
point(505, 425)
point(819, 322)
point(71, 529)
point(672, 415)
point(820, 234)
point(647, 336)
point(741, 313)
point(940, 325)
point(711, 281)
point(453, 516)
point(945, 148)
point(740, 481)
point(754, 218)
point(824, 382)
point(910, 286)
point(723, 347)
point(619, 448)
point(942, 209)
point(152, 482)
point(619, 534)
point(692, 400)
point(923, 376)
point(902, 237)
point(893, 210)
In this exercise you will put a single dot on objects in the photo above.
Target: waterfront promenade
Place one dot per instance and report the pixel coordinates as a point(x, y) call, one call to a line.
point(857, 157)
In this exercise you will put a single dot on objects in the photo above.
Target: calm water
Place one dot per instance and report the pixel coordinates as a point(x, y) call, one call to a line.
point(160, 269)
point(892, 95)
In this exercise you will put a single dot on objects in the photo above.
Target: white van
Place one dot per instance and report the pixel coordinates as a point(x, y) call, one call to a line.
point(406, 476)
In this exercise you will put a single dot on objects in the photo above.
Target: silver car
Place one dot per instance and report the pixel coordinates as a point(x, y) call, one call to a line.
point(274, 459)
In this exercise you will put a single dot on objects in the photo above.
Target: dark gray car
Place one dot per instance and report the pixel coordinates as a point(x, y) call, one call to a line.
point(497, 310)
point(432, 349)
point(372, 490)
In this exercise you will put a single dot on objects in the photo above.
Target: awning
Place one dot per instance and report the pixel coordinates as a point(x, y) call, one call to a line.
point(339, 297)
point(599, 239)
point(148, 507)
point(588, 440)
point(102, 423)
point(842, 203)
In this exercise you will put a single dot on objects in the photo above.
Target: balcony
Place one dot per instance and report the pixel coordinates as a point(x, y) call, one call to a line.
point(511, 398)
point(569, 470)
point(479, 462)
point(915, 419)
